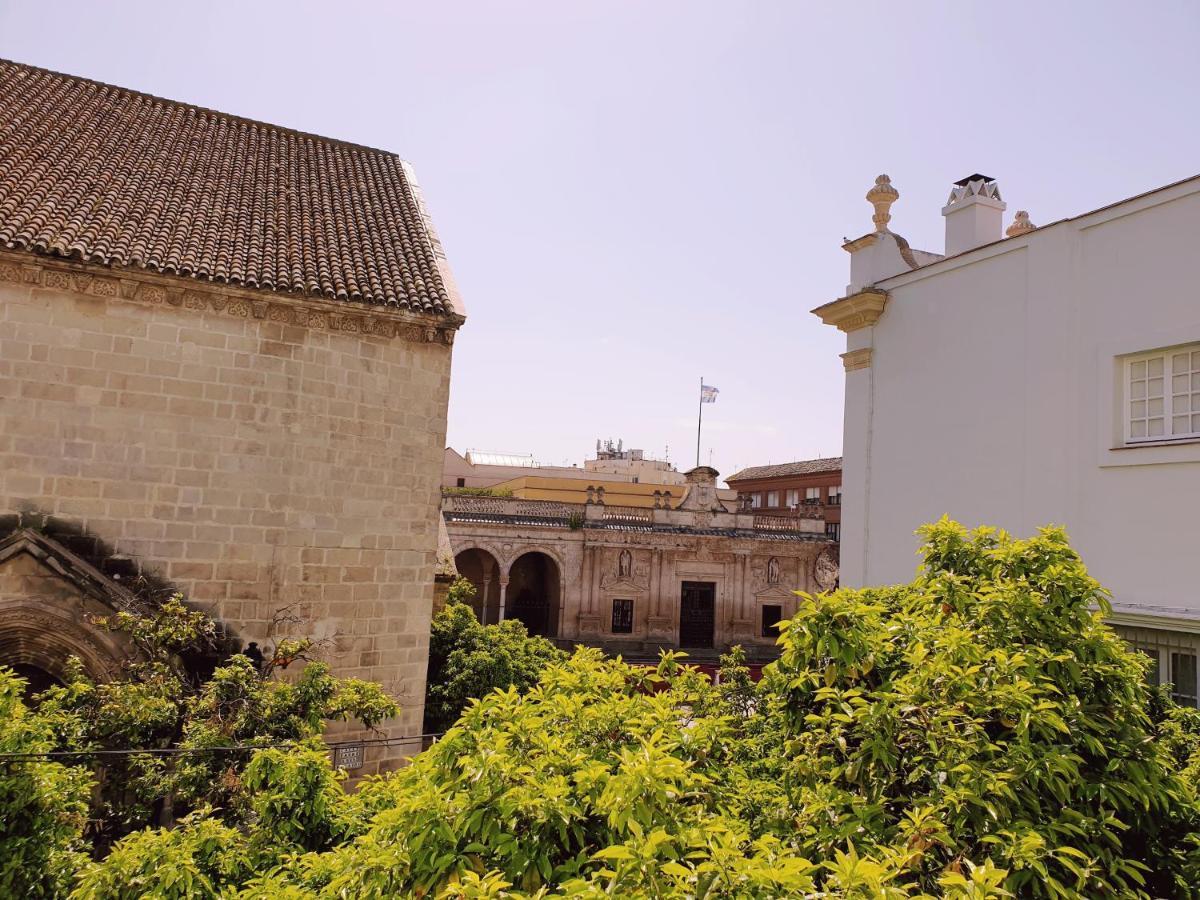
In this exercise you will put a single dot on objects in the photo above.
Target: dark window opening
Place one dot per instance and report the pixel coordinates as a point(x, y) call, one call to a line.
point(622, 617)
point(461, 482)
point(771, 614)
point(1183, 678)
point(697, 614)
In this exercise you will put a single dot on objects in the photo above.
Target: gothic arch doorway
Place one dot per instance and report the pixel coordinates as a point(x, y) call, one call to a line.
point(534, 590)
point(481, 569)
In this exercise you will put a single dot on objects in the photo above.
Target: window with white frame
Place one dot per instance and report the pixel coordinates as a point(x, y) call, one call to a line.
point(835, 494)
point(756, 501)
point(1162, 395)
point(812, 495)
point(792, 497)
point(1176, 667)
point(772, 498)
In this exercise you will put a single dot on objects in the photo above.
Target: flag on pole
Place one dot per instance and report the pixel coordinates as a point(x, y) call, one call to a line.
point(708, 393)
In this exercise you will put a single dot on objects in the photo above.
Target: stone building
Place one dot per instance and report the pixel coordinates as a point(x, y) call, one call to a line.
point(805, 487)
point(632, 579)
point(224, 368)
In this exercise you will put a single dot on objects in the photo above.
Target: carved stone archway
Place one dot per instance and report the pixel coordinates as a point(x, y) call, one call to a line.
point(48, 599)
point(480, 567)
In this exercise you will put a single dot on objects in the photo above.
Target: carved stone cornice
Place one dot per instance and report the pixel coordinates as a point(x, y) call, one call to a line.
point(854, 360)
point(28, 269)
point(856, 311)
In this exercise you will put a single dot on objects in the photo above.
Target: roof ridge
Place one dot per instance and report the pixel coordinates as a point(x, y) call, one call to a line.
point(216, 113)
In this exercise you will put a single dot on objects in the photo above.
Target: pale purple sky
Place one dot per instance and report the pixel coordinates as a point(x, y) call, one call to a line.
point(636, 193)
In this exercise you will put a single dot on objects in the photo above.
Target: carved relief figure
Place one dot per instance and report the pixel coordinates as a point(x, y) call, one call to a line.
point(625, 564)
point(826, 571)
point(773, 571)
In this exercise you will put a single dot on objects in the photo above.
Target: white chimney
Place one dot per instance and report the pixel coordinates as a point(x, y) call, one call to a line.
point(974, 214)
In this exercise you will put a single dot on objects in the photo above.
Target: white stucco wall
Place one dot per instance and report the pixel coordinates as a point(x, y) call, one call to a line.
point(992, 396)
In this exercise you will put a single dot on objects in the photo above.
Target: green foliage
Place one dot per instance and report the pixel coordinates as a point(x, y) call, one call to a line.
point(43, 805)
point(461, 590)
point(160, 704)
point(976, 734)
point(196, 860)
point(468, 660)
point(476, 492)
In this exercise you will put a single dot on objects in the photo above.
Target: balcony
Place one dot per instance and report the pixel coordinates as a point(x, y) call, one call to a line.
point(553, 514)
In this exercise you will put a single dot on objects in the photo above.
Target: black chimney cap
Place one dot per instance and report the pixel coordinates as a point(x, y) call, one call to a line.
point(963, 182)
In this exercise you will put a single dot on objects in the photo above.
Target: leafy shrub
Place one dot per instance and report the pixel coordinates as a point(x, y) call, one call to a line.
point(468, 660)
point(160, 704)
point(978, 733)
point(43, 805)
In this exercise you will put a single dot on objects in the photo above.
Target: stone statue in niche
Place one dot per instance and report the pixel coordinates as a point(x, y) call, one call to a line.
point(625, 564)
point(773, 571)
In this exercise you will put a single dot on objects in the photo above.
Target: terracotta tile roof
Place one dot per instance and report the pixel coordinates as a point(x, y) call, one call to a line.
point(803, 467)
point(115, 177)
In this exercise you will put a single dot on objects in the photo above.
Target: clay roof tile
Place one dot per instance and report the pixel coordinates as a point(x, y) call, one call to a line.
point(121, 178)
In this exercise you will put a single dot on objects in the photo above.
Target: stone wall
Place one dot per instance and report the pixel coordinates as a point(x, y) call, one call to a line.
point(263, 454)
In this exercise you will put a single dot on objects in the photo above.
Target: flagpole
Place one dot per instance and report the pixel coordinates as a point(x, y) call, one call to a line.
point(699, 420)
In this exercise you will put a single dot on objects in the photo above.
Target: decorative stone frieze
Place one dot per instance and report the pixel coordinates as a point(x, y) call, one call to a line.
point(149, 287)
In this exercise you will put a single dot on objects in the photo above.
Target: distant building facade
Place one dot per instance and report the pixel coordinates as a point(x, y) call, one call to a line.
point(485, 469)
point(213, 381)
point(701, 576)
point(806, 487)
point(616, 460)
point(1033, 376)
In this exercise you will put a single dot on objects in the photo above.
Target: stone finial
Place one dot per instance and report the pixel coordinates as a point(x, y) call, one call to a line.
point(1020, 224)
point(882, 196)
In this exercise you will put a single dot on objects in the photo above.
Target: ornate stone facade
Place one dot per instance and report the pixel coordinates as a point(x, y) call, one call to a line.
point(635, 580)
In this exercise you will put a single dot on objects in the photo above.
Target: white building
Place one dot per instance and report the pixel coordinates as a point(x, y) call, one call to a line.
point(1050, 376)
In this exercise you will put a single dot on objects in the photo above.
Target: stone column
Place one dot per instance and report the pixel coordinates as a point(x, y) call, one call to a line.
point(661, 626)
point(589, 618)
point(503, 591)
point(743, 613)
point(483, 603)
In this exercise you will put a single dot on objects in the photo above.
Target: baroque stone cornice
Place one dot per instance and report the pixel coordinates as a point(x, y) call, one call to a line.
point(854, 360)
point(856, 311)
point(22, 267)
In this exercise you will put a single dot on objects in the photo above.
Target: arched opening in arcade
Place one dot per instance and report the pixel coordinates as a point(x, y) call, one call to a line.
point(534, 591)
point(481, 569)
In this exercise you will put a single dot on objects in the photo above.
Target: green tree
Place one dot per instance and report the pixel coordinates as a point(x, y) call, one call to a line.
point(978, 733)
point(468, 660)
point(161, 704)
point(43, 805)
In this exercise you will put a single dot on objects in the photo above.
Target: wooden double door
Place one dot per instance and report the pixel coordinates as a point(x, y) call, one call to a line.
point(697, 614)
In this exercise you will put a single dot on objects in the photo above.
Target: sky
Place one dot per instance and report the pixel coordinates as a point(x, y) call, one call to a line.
point(635, 194)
